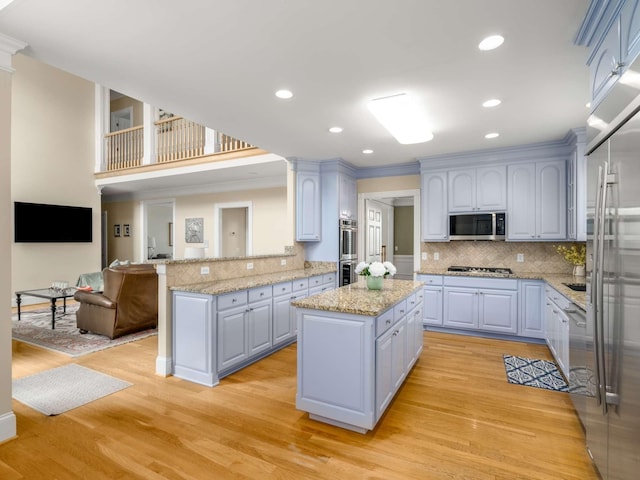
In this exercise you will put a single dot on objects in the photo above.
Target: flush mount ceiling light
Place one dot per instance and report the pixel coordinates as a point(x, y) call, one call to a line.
point(402, 117)
point(489, 136)
point(335, 129)
point(367, 151)
point(494, 102)
point(284, 94)
point(491, 42)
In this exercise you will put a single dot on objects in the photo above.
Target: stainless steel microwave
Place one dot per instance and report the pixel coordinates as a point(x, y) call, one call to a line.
point(477, 226)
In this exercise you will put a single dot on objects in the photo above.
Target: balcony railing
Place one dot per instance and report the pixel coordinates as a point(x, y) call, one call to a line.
point(124, 148)
point(176, 139)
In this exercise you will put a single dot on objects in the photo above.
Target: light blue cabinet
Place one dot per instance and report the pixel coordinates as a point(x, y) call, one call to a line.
point(435, 218)
point(308, 207)
point(530, 314)
point(432, 305)
point(478, 189)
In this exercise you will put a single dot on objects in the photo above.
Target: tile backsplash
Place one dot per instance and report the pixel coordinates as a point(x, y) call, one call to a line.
point(539, 257)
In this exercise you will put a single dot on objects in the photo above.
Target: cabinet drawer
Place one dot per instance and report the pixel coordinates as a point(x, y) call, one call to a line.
point(233, 299)
point(329, 278)
point(482, 282)
point(300, 284)
point(400, 310)
point(260, 293)
point(430, 279)
point(412, 301)
point(281, 289)
point(315, 281)
point(384, 322)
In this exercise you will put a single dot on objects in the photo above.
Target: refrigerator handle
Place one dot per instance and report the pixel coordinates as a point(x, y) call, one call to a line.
point(594, 285)
point(599, 330)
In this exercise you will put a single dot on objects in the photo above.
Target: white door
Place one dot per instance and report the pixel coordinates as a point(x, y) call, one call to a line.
point(374, 232)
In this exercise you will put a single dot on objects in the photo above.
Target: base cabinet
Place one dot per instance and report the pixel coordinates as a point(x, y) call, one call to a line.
point(351, 366)
point(530, 314)
point(432, 292)
point(216, 335)
point(556, 322)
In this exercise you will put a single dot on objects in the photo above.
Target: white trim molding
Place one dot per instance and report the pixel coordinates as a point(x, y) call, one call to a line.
point(217, 224)
point(7, 426)
point(8, 48)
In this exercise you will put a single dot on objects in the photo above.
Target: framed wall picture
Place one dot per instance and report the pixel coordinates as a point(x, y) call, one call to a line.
point(126, 230)
point(193, 230)
point(116, 230)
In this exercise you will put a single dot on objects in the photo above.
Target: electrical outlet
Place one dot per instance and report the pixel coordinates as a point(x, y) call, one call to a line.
point(249, 266)
point(395, 248)
point(520, 257)
point(436, 256)
point(424, 255)
point(283, 262)
point(204, 270)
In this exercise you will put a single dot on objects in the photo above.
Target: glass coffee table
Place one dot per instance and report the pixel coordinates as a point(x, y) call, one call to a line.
point(52, 294)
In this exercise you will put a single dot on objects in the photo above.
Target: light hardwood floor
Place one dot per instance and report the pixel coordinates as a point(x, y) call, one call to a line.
point(456, 417)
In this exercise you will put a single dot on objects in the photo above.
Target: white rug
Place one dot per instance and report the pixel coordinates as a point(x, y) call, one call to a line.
point(58, 390)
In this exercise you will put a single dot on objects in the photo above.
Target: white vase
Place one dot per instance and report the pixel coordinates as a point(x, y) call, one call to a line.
point(578, 271)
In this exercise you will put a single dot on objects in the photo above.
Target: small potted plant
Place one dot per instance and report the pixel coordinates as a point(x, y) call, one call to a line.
point(575, 254)
point(375, 273)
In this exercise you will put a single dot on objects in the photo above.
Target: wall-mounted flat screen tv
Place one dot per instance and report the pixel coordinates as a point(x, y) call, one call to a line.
point(44, 223)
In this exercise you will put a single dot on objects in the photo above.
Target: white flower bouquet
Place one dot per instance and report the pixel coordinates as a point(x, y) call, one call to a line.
point(376, 269)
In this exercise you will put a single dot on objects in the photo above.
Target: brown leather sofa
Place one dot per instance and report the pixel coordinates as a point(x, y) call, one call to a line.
point(129, 302)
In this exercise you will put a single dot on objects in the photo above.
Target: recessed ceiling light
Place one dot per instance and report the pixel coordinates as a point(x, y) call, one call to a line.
point(492, 135)
point(491, 42)
point(402, 117)
point(494, 102)
point(284, 94)
point(588, 105)
point(335, 129)
point(367, 151)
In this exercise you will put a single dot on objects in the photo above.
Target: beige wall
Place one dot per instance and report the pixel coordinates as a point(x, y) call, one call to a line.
point(52, 143)
point(138, 110)
point(389, 184)
point(403, 230)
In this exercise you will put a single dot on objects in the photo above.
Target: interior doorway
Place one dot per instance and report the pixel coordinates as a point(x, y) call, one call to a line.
point(121, 119)
point(233, 223)
point(158, 221)
point(400, 237)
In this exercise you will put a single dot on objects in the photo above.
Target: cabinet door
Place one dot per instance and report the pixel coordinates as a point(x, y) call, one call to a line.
point(308, 208)
point(630, 30)
point(435, 219)
point(462, 190)
point(418, 334)
point(550, 326)
point(281, 318)
point(293, 319)
point(603, 68)
point(460, 307)
point(562, 343)
point(384, 373)
point(491, 188)
point(399, 353)
point(521, 194)
point(348, 197)
point(551, 201)
point(410, 342)
point(232, 334)
point(432, 312)
point(259, 326)
point(531, 314)
point(193, 349)
point(498, 310)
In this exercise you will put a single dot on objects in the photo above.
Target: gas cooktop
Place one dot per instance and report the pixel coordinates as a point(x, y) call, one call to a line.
point(500, 270)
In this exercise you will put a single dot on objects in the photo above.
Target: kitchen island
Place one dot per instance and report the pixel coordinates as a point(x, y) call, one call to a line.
point(355, 349)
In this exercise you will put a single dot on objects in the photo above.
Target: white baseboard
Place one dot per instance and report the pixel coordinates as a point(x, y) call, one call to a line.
point(7, 427)
point(163, 366)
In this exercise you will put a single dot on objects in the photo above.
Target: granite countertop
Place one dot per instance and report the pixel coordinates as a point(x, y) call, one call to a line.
point(358, 300)
point(234, 284)
point(555, 280)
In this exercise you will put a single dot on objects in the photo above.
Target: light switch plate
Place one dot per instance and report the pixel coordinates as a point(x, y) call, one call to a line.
point(436, 256)
point(249, 266)
point(283, 262)
point(520, 257)
point(424, 255)
point(204, 270)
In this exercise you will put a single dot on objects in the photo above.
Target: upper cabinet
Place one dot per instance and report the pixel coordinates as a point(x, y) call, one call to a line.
point(348, 193)
point(613, 33)
point(435, 225)
point(478, 189)
point(537, 201)
point(308, 206)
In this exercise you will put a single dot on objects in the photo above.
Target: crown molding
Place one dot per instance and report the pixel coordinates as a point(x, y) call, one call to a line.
point(8, 48)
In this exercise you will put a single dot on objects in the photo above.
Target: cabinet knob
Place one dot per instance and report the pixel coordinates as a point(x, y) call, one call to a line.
point(388, 322)
point(395, 333)
point(401, 312)
point(262, 294)
point(233, 300)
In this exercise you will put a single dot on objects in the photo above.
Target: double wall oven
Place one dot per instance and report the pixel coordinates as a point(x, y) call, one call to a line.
point(348, 250)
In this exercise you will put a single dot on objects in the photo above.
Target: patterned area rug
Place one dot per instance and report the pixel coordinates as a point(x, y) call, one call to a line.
point(58, 390)
point(534, 373)
point(35, 328)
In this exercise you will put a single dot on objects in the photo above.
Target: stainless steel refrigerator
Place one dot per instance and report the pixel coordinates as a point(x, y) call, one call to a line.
point(605, 351)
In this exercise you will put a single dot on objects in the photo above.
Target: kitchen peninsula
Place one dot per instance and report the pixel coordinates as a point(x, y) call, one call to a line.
point(355, 349)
